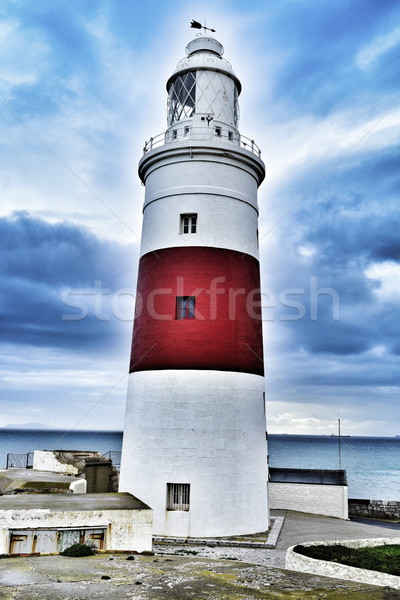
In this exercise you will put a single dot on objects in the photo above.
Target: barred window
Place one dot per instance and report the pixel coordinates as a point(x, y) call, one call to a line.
point(178, 496)
point(185, 307)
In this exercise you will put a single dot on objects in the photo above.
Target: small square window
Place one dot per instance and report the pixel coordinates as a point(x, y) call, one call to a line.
point(188, 223)
point(185, 307)
point(230, 136)
point(218, 131)
point(174, 134)
point(186, 130)
point(178, 496)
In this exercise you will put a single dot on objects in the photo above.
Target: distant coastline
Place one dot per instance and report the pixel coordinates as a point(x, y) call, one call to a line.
point(49, 428)
point(38, 426)
point(371, 462)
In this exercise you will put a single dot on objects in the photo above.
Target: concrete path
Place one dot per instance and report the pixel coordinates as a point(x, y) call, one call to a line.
point(296, 528)
point(300, 527)
point(200, 573)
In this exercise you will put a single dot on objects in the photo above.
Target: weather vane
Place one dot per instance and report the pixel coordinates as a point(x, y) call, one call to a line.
point(198, 25)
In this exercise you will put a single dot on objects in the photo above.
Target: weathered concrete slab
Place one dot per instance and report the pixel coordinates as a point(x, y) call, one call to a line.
point(21, 479)
point(172, 578)
point(77, 502)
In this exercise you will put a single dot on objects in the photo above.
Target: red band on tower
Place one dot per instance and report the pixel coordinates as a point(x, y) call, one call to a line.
point(226, 331)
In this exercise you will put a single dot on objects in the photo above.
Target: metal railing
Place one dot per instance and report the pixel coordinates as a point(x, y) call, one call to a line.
point(184, 133)
point(114, 456)
point(20, 461)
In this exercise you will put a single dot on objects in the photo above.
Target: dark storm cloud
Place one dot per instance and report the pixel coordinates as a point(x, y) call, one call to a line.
point(372, 172)
point(32, 314)
point(55, 254)
point(344, 239)
point(349, 224)
point(363, 320)
point(43, 268)
point(353, 215)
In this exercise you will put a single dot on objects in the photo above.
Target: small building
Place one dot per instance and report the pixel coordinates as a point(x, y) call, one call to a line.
point(315, 491)
point(49, 523)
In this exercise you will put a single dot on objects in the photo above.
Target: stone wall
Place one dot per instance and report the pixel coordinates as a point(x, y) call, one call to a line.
point(77, 463)
point(378, 509)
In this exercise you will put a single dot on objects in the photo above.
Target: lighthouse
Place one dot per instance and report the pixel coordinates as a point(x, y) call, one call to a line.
point(194, 445)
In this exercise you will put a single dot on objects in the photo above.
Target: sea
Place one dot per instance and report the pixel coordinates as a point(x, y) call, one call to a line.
point(372, 463)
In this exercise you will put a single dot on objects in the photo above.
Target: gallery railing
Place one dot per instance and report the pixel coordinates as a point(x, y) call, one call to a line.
point(184, 133)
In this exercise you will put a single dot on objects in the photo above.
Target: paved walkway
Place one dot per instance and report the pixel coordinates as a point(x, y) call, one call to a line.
point(268, 539)
point(300, 527)
point(195, 572)
point(294, 528)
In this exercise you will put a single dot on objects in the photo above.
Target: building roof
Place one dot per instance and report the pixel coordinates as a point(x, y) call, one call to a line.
point(22, 479)
point(75, 502)
point(308, 476)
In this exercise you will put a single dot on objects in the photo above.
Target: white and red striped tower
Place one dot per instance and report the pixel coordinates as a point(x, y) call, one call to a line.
point(194, 444)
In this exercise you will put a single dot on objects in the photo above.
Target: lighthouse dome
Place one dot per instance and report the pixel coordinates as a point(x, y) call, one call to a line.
point(202, 42)
point(205, 53)
point(203, 84)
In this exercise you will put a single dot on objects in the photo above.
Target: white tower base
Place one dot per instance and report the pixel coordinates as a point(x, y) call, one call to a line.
point(212, 420)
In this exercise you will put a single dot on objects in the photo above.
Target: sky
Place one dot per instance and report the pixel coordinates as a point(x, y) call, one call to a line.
point(82, 86)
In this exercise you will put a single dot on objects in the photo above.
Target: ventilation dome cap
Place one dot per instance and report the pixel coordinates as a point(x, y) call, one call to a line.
point(204, 43)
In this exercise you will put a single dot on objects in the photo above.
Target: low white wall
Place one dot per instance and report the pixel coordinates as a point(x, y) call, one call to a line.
point(305, 564)
point(44, 460)
point(326, 500)
point(126, 530)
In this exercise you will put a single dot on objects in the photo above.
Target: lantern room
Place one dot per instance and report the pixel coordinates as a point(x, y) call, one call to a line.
point(203, 90)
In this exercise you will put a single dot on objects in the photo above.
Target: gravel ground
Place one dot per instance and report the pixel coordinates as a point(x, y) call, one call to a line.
point(257, 556)
point(188, 577)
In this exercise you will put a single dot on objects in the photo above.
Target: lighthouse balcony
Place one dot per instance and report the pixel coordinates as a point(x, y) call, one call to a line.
point(213, 133)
